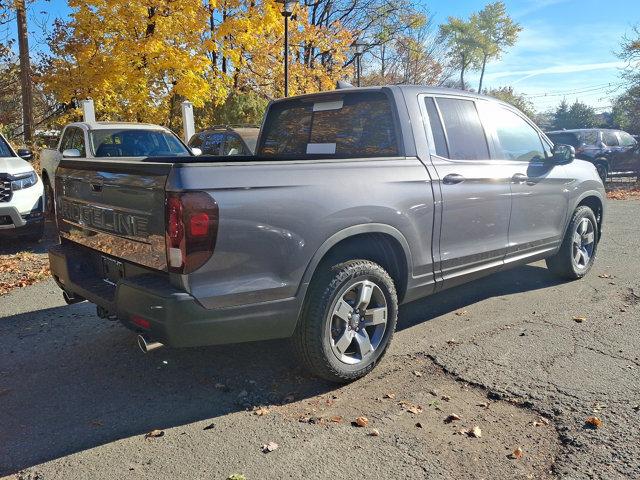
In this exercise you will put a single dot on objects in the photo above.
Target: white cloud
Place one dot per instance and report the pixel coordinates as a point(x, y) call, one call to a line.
point(556, 69)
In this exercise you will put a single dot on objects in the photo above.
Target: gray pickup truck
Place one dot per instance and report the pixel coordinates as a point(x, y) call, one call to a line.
point(356, 201)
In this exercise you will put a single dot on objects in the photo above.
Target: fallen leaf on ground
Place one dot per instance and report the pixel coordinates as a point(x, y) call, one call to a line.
point(453, 342)
point(261, 411)
point(419, 425)
point(155, 434)
point(417, 373)
point(483, 405)
point(209, 427)
point(540, 421)
point(269, 447)
point(389, 395)
point(605, 275)
point(517, 453)
point(461, 313)
point(336, 419)
point(579, 319)
point(451, 418)
point(220, 386)
point(236, 476)
point(435, 404)
point(374, 433)
point(361, 421)
point(446, 398)
point(414, 409)
point(475, 432)
point(594, 422)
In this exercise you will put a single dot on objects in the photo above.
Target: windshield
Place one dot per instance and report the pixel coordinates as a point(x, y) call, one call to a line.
point(136, 143)
point(5, 151)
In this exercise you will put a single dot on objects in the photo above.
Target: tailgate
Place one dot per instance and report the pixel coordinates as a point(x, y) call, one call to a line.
point(117, 208)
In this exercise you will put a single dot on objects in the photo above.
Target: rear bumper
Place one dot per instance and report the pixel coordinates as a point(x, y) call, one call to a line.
point(175, 318)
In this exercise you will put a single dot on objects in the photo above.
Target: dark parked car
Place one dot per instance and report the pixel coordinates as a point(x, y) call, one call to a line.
point(613, 152)
point(226, 140)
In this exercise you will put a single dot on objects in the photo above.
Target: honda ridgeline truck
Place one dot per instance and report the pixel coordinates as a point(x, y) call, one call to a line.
point(356, 201)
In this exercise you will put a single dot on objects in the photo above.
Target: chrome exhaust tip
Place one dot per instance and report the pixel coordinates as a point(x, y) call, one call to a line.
point(147, 345)
point(71, 298)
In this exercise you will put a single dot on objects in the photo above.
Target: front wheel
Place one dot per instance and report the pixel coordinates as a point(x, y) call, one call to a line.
point(603, 171)
point(578, 250)
point(348, 320)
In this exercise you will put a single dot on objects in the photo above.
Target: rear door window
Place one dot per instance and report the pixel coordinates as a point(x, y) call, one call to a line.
point(350, 125)
point(564, 139)
point(465, 135)
point(609, 139)
point(589, 138)
point(439, 138)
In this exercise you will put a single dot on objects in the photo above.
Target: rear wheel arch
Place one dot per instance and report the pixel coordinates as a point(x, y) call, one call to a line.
point(378, 243)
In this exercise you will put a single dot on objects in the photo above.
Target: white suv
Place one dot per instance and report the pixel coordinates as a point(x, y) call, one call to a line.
point(21, 195)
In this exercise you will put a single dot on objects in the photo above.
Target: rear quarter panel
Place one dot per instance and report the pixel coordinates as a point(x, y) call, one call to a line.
point(275, 216)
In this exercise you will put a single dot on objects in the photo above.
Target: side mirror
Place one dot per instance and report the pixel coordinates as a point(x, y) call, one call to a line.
point(196, 151)
point(71, 153)
point(25, 154)
point(563, 153)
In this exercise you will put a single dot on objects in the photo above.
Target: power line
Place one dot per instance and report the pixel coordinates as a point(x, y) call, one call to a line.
point(614, 86)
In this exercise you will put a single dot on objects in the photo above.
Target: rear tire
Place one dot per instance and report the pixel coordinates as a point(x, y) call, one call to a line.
point(347, 321)
point(578, 250)
point(49, 208)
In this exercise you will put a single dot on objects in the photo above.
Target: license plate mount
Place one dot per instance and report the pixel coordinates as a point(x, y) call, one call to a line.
point(112, 270)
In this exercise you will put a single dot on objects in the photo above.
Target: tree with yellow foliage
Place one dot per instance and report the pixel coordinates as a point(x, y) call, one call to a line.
point(138, 60)
point(135, 59)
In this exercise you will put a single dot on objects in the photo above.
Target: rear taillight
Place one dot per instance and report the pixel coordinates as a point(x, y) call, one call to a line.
point(191, 230)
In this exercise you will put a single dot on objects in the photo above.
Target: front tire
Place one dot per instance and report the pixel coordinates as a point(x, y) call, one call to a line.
point(603, 170)
point(348, 320)
point(578, 250)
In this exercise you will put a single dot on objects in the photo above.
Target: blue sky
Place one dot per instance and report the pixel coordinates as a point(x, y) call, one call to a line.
point(566, 49)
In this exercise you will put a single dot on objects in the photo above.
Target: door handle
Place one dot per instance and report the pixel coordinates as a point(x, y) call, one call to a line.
point(519, 178)
point(452, 179)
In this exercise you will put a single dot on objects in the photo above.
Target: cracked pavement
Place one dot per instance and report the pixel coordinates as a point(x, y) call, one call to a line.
point(504, 353)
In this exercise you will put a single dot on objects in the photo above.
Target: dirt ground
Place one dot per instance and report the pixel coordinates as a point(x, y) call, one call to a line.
point(521, 356)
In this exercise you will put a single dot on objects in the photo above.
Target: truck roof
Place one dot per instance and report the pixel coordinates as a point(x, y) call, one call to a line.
point(408, 89)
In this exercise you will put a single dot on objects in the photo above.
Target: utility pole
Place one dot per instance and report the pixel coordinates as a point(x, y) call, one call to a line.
point(25, 72)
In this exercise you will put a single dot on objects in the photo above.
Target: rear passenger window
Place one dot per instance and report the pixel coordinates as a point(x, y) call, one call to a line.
point(590, 138)
point(465, 135)
point(352, 125)
point(439, 138)
point(518, 140)
point(610, 139)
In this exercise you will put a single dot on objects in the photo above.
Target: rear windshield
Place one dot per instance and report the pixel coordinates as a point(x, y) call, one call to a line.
point(350, 125)
point(136, 143)
point(5, 151)
point(564, 139)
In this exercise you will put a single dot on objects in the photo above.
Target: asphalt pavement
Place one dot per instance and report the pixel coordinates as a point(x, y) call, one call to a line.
point(519, 357)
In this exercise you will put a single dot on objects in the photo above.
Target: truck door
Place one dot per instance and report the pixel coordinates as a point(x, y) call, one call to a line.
point(539, 203)
point(474, 190)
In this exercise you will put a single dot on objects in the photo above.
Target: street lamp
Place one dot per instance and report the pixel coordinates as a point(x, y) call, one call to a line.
point(287, 10)
point(359, 49)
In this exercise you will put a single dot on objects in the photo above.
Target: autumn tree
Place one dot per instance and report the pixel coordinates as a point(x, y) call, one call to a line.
point(137, 60)
point(497, 32)
point(463, 39)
